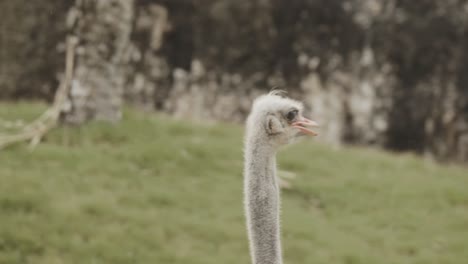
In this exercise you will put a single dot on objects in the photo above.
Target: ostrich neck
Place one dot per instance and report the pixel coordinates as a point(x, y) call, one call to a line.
point(262, 203)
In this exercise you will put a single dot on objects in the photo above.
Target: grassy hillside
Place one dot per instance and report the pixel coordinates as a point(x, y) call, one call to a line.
point(155, 190)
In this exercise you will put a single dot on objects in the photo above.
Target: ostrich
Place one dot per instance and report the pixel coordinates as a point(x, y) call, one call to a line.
point(274, 121)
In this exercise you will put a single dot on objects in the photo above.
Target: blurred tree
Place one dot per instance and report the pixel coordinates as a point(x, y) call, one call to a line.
point(148, 70)
point(103, 28)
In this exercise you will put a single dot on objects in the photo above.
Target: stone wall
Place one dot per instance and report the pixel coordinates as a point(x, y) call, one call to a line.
point(385, 73)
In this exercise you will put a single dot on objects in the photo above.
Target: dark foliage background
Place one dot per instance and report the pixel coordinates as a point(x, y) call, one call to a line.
point(31, 56)
point(389, 73)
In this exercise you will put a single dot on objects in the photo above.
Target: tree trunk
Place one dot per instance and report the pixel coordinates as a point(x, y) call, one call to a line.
point(103, 28)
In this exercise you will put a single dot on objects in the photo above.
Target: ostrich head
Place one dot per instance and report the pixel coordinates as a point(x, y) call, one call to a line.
point(275, 120)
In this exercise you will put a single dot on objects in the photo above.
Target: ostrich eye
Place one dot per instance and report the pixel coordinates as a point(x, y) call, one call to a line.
point(291, 114)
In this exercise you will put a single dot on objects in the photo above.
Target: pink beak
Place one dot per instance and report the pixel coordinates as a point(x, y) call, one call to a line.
point(302, 125)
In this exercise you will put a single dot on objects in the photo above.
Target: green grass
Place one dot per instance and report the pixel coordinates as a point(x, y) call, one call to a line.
point(155, 190)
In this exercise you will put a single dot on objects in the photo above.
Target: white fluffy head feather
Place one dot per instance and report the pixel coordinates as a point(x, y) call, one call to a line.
point(273, 119)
